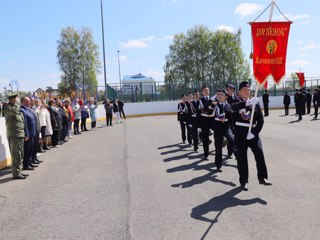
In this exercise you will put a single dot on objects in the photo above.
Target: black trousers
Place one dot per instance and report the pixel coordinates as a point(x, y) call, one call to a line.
point(55, 137)
point(286, 109)
point(308, 107)
point(76, 126)
point(64, 131)
point(36, 146)
point(185, 131)
point(218, 141)
point(109, 119)
point(195, 135)
point(84, 124)
point(206, 125)
point(93, 125)
point(122, 113)
point(27, 153)
point(256, 147)
point(266, 109)
point(315, 110)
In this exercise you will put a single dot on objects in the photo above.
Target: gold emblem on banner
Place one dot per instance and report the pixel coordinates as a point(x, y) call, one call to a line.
point(271, 47)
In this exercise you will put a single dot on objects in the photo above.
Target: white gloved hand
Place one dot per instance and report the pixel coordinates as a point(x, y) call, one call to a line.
point(252, 101)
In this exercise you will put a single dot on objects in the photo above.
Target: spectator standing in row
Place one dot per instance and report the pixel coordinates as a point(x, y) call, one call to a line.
point(71, 118)
point(56, 122)
point(29, 131)
point(108, 107)
point(77, 116)
point(64, 122)
point(15, 134)
point(84, 112)
point(93, 113)
point(44, 120)
point(316, 100)
point(286, 103)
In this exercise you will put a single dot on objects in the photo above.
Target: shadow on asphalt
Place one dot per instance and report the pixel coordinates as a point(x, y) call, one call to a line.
point(295, 121)
point(179, 149)
point(170, 146)
point(219, 204)
point(5, 171)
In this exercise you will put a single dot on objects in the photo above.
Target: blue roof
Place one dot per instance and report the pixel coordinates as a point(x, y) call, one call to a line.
point(137, 77)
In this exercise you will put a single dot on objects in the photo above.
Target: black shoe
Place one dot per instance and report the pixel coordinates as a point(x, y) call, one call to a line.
point(205, 157)
point(196, 150)
point(28, 168)
point(184, 141)
point(265, 182)
point(244, 187)
point(25, 175)
point(37, 161)
point(33, 166)
point(20, 177)
point(229, 155)
point(46, 148)
point(79, 133)
point(219, 170)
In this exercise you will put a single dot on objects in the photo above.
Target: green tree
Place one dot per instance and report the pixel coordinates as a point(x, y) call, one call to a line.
point(78, 60)
point(205, 57)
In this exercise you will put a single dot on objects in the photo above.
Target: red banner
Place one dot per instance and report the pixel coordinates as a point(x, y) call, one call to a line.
point(301, 78)
point(270, 40)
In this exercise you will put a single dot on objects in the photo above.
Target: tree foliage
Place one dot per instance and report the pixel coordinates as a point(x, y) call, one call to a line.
point(205, 57)
point(78, 60)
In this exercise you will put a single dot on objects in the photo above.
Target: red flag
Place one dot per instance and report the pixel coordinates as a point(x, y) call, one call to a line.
point(270, 40)
point(301, 78)
point(265, 85)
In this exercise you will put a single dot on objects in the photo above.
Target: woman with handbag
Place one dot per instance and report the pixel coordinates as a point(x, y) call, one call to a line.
point(84, 115)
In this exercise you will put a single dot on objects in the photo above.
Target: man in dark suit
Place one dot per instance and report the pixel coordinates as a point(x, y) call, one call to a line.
point(265, 100)
point(309, 100)
point(316, 99)
point(301, 103)
point(30, 132)
point(286, 103)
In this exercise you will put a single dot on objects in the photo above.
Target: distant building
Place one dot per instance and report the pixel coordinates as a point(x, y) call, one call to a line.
point(132, 84)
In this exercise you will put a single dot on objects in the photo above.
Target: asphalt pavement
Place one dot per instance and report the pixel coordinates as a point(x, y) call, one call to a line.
point(136, 180)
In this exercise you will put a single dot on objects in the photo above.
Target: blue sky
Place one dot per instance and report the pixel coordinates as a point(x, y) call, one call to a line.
point(141, 30)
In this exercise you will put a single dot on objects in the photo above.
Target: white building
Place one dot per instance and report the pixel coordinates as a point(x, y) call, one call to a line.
point(138, 83)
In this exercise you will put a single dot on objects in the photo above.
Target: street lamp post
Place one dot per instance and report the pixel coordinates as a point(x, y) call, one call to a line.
point(119, 69)
point(104, 56)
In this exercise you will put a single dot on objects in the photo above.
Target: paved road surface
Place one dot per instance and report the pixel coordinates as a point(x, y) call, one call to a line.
point(137, 181)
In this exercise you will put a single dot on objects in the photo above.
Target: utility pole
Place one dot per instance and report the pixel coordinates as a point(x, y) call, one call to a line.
point(104, 56)
point(119, 69)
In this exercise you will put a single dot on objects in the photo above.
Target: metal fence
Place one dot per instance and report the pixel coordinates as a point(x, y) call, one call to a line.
point(160, 91)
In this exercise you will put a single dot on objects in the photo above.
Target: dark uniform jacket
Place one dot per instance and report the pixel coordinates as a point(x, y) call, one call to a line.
point(194, 112)
point(182, 112)
point(29, 122)
point(222, 116)
point(309, 97)
point(286, 100)
point(231, 99)
point(14, 120)
point(316, 98)
point(242, 116)
point(56, 118)
point(265, 98)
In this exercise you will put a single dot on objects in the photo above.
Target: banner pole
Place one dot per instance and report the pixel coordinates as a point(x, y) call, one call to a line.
point(250, 134)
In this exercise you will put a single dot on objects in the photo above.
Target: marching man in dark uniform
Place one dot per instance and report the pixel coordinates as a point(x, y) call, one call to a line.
point(189, 118)
point(242, 111)
point(206, 121)
point(223, 121)
point(295, 100)
point(195, 115)
point(231, 96)
point(301, 103)
point(182, 118)
point(286, 103)
point(308, 99)
point(265, 99)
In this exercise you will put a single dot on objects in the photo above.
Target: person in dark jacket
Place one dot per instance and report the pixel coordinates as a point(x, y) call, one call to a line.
point(121, 105)
point(65, 118)
point(286, 103)
point(301, 103)
point(223, 122)
point(316, 99)
point(109, 108)
point(308, 100)
point(30, 132)
point(182, 117)
point(242, 111)
point(265, 100)
point(56, 122)
point(295, 100)
point(195, 115)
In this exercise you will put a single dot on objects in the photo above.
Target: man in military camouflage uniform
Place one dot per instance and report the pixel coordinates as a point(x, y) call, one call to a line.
point(15, 134)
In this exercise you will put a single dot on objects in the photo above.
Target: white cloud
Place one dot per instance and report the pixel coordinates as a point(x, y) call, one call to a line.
point(298, 63)
point(166, 38)
point(246, 9)
point(305, 17)
point(300, 42)
point(226, 28)
point(137, 43)
point(309, 47)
